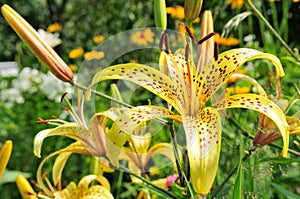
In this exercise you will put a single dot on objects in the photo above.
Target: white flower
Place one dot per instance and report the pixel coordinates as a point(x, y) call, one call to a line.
point(52, 39)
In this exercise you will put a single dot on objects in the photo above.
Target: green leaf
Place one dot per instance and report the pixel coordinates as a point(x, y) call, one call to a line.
point(237, 191)
point(287, 194)
point(11, 175)
point(179, 191)
point(279, 160)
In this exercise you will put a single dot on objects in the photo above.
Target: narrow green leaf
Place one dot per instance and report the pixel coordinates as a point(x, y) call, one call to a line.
point(279, 160)
point(237, 192)
point(287, 194)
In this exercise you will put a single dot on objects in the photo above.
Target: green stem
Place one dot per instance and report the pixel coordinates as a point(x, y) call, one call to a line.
point(271, 29)
point(177, 160)
point(102, 95)
point(119, 183)
point(159, 189)
point(181, 174)
point(245, 157)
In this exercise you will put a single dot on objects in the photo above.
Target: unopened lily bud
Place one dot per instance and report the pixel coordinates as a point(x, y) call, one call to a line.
point(25, 188)
point(192, 9)
point(35, 43)
point(206, 49)
point(160, 14)
point(5, 155)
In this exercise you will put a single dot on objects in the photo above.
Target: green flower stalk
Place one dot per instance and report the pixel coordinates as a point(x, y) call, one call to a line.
point(160, 14)
point(38, 47)
point(192, 9)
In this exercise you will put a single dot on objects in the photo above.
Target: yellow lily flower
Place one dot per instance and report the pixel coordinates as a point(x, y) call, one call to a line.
point(5, 153)
point(93, 139)
point(187, 88)
point(35, 43)
point(139, 154)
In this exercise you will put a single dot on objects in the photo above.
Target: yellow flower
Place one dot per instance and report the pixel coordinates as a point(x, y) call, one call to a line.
point(94, 55)
point(236, 3)
point(238, 90)
point(143, 38)
point(75, 53)
point(36, 44)
point(234, 79)
point(98, 38)
point(5, 155)
point(231, 41)
point(176, 12)
point(54, 27)
point(296, 1)
point(187, 88)
point(73, 67)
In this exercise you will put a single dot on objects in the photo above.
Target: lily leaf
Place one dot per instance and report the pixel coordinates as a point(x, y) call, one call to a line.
point(278, 160)
point(286, 193)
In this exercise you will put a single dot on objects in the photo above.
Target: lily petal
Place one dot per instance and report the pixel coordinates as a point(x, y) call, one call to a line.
point(68, 130)
point(203, 138)
point(145, 76)
point(216, 73)
point(76, 147)
point(264, 106)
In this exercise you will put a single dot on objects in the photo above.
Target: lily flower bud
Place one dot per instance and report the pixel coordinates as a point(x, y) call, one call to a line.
point(160, 14)
point(35, 43)
point(25, 188)
point(192, 9)
point(5, 155)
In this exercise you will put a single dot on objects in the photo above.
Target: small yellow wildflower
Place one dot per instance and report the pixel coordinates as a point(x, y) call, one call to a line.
point(75, 53)
point(132, 61)
point(231, 41)
point(238, 90)
point(234, 79)
point(296, 1)
point(73, 67)
point(236, 3)
point(98, 38)
point(54, 27)
point(93, 55)
point(143, 38)
point(176, 12)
